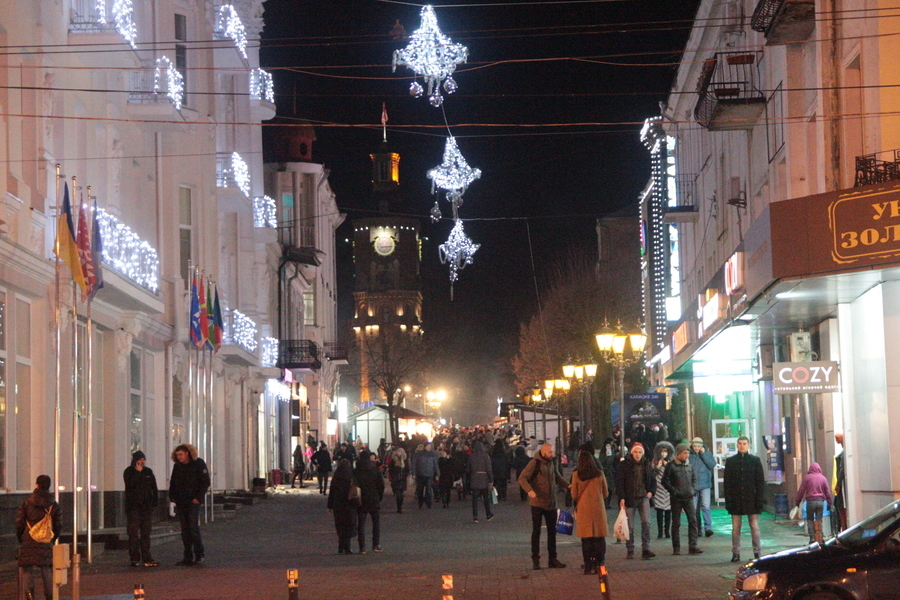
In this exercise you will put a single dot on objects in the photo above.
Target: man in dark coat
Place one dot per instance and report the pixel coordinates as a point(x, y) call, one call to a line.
point(482, 476)
point(745, 489)
point(540, 479)
point(500, 466)
point(371, 491)
point(679, 480)
point(635, 486)
point(425, 470)
point(187, 489)
point(322, 460)
point(141, 497)
point(34, 553)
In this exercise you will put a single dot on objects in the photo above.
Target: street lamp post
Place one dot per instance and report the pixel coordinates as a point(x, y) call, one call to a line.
point(612, 343)
point(583, 374)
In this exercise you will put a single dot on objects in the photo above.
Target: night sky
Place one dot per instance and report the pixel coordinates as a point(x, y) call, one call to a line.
point(580, 156)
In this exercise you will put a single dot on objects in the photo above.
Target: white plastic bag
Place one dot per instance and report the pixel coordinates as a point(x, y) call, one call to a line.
point(620, 529)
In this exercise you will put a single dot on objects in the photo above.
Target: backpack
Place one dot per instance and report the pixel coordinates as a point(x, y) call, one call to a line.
point(42, 531)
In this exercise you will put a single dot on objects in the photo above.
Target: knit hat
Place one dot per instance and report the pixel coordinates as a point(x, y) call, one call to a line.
point(697, 440)
point(681, 448)
point(638, 445)
point(136, 456)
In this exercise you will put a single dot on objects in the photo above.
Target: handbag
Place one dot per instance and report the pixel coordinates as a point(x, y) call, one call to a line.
point(353, 495)
point(620, 529)
point(565, 522)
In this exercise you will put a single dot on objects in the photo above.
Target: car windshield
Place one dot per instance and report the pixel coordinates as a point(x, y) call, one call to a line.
point(859, 534)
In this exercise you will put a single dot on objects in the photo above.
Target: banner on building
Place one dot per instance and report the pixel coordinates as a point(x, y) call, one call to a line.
point(814, 377)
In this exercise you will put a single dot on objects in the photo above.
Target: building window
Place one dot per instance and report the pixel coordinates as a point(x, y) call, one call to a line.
point(309, 307)
point(136, 405)
point(20, 347)
point(185, 231)
point(775, 120)
point(181, 53)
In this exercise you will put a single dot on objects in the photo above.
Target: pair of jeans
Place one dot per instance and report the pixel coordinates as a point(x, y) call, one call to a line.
point(642, 505)
point(189, 519)
point(687, 506)
point(26, 581)
point(376, 528)
point(593, 551)
point(486, 496)
point(704, 515)
point(736, 533)
point(814, 511)
point(138, 528)
point(424, 492)
point(542, 515)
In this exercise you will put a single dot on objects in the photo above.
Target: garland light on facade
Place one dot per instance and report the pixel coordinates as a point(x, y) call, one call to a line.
point(264, 213)
point(242, 331)
point(174, 82)
point(261, 86)
point(127, 253)
point(228, 24)
point(453, 176)
point(458, 251)
point(269, 351)
point(431, 55)
point(123, 13)
point(240, 172)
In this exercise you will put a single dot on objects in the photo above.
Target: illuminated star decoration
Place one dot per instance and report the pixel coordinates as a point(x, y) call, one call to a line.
point(431, 55)
point(457, 251)
point(453, 176)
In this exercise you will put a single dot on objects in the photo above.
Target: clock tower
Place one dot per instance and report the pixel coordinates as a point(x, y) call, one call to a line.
point(386, 255)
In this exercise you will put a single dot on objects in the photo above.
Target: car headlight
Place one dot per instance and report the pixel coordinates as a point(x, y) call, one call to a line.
point(755, 583)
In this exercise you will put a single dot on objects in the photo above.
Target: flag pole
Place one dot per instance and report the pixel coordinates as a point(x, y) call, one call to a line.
point(74, 400)
point(56, 421)
point(190, 406)
point(212, 412)
point(90, 391)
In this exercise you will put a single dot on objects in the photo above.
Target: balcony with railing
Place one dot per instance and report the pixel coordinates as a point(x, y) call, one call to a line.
point(302, 355)
point(268, 350)
point(240, 339)
point(729, 93)
point(104, 17)
point(233, 180)
point(878, 167)
point(262, 95)
point(159, 85)
point(784, 21)
point(337, 353)
point(229, 27)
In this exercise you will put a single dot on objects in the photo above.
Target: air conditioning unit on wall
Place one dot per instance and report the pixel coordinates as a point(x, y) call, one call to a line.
point(800, 346)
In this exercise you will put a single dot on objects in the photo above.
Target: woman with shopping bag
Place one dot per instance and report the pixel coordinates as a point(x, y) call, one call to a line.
point(589, 491)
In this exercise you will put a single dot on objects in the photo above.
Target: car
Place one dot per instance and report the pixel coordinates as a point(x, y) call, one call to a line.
point(861, 563)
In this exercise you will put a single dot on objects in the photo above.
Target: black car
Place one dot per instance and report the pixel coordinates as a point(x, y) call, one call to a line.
point(862, 563)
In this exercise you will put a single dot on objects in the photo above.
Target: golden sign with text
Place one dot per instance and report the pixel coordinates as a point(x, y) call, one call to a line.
point(865, 225)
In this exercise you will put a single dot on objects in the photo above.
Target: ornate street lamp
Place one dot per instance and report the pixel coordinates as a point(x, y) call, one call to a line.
point(583, 374)
point(612, 344)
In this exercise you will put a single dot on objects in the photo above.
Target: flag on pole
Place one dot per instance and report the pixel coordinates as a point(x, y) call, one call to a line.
point(210, 318)
point(85, 255)
point(204, 315)
point(384, 118)
point(218, 322)
point(196, 333)
point(96, 252)
point(65, 247)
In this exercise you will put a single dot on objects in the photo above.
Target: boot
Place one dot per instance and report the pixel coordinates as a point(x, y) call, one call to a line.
point(659, 528)
point(535, 563)
point(555, 564)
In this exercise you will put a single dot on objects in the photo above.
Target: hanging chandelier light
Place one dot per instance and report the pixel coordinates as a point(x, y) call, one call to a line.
point(458, 251)
point(431, 55)
point(453, 175)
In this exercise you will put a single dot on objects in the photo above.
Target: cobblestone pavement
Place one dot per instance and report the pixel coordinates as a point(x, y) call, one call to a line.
point(248, 555)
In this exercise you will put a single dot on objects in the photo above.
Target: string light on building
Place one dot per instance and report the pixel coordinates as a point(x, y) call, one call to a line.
point(168, 79)
point(123, 13)
point(269, 352)
point(127, 253)
point(431, 55)
point(453, 175)
point(241, 332)
point(261, 86)
point(229, 25)
point(264, 213)
point(458, 251)
point(240, 173)
point(278, 389)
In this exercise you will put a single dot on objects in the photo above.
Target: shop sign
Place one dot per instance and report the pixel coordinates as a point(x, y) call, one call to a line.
point(734, 273)
point(681, 337)
point(813, 377)
point(711, 311)
point(865, 225)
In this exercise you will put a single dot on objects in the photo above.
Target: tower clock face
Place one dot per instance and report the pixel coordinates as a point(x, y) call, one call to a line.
point(384, 245)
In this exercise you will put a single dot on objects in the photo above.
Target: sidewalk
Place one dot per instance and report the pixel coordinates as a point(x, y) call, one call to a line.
point(247, 559)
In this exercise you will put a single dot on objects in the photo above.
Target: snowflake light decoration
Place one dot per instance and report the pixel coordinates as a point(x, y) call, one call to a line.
point(174, 81)
point(458, 251)
point(431, 55)
point(454, 174)
point(228, 24)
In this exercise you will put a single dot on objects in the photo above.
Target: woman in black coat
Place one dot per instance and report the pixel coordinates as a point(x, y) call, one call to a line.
point(33, 553)
point(520, 461)
point(500, 466)
point(340, 505)
point(445, 466)
point(371, 491)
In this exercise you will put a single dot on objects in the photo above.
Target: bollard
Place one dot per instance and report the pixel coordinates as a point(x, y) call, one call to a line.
point(293, 575)
point(604, 583)
point(447, 586)
point(139, 591)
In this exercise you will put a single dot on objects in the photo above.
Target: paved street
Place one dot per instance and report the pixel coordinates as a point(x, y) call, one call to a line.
point(247, 557)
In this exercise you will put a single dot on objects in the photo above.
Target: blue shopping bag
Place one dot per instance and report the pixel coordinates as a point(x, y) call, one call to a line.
point(825, 511)
point(565, 522)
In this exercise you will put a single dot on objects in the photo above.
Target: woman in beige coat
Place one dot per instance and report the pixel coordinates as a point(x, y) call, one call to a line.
point(589, 491)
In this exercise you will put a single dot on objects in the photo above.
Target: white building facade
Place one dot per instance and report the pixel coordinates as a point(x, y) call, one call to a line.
point(769, 227)
point(156, 109)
